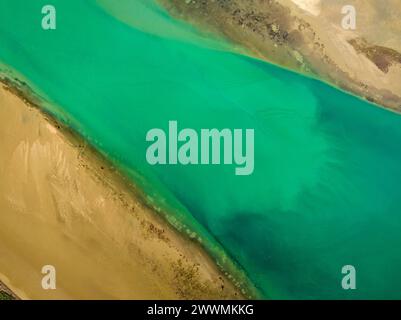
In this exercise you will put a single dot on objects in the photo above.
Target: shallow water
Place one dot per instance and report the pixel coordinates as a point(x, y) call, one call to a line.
point(326, 187)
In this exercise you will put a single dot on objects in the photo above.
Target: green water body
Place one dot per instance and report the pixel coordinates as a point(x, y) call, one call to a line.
point(325, 191)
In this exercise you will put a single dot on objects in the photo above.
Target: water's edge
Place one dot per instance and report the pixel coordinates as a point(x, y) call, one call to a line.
point(227, 265)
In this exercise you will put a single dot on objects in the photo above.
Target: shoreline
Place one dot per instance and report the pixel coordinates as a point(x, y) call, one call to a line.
point(281, 33)
point(7, 293)
point(192, 267)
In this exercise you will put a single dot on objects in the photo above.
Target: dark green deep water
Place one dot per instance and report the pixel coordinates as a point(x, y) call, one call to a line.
point(326, 190)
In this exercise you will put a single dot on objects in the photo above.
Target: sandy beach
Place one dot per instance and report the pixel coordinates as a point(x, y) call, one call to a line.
point(63, 205)
point(307, 36)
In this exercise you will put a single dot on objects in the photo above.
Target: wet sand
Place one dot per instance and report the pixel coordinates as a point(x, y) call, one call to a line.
point(61, 204)
point(307, 36)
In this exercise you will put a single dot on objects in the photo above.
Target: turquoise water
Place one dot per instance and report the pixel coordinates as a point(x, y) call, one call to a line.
point(326, 187)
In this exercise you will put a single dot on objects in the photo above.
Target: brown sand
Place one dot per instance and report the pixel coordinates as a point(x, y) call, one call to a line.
point(61, 205)
point(307, 36)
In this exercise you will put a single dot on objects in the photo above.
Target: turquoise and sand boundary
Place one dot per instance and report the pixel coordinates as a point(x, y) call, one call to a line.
point(87, 219)
point(219, 279)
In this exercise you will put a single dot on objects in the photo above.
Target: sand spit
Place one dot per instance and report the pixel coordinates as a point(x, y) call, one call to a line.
point(62, 205)
point(308, 36)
